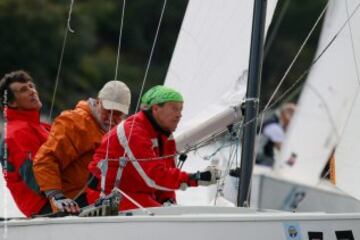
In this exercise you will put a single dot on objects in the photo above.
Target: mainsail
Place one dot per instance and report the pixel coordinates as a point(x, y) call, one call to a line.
point(327, 98)
point(209, 67)
point(210, 60)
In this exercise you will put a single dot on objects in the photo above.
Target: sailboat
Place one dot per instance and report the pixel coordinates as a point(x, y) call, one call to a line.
point(326, 109)
point(194, 222)
point(215, 106)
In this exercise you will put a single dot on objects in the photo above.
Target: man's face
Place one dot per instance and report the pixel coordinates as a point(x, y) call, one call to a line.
point(108, 119)
point(168, 115)
point(26, 96)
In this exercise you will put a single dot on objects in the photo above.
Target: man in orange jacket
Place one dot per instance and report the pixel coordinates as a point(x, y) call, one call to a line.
point(60, 166)
point(148, 173)
point(24, 135)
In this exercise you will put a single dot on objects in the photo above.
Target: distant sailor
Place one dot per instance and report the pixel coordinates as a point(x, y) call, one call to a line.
point(273, 134)
point(148, 173)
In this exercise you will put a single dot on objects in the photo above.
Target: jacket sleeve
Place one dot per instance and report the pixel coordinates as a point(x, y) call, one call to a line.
point(21, 151)
point(64, 145)
point(157, 170)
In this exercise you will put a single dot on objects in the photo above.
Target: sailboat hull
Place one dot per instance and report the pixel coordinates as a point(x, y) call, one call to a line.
point(273, 192)
point(188, 223)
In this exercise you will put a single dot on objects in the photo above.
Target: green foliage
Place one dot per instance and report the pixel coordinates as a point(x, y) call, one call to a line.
point(32, 34)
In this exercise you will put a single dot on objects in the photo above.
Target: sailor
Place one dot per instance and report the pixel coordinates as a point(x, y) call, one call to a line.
point(60, 166)
point(24, 135)
point(144, 147)
point(273, 134)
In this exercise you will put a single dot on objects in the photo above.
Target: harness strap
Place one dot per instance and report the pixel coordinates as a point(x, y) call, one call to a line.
point(124, 143)
point(122, 165)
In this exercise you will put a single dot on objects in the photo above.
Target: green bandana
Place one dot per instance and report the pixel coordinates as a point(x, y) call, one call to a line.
point(160, 94)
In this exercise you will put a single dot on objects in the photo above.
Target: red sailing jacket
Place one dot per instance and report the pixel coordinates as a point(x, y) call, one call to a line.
point(147, 144)
point(24, 136)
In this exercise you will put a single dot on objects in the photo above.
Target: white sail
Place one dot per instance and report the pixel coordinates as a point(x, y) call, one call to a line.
point(348, 151)
point(209, 67)
point(211, 56)
point(325, 102)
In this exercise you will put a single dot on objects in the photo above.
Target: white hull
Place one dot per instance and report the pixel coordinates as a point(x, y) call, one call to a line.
point(210, 223)
point(269, 192)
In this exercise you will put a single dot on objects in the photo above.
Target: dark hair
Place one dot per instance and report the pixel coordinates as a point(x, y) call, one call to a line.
point(9, 78)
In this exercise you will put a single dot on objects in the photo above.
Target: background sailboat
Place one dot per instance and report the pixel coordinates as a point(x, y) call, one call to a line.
point(327, 99)
point(324, 120)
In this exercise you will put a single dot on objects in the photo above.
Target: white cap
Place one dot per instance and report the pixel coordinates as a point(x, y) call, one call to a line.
point(115, 95)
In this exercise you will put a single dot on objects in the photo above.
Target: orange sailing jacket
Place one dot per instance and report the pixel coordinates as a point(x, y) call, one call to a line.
point(61, 163)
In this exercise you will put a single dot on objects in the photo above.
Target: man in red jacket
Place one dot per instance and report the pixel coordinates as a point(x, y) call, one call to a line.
point(24, 134)
point(144, 147)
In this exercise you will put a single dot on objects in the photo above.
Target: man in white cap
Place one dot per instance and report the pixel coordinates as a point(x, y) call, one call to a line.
point(60, 165)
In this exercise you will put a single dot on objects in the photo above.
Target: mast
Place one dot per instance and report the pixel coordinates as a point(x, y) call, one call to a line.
point(252, 102)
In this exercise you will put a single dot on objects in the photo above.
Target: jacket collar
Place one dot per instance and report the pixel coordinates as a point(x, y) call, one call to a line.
point(155, 125)
point(29, 116)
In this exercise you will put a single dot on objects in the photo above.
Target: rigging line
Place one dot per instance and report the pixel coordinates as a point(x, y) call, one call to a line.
point(233, 155)
point(206, 141)
point(69, 18)
point(317, 58)
point(298, 80)
point(67, 29)
point(292, 64)
point(297, 55)
point(148, 66)
point(116, 73)
point(357, 74)
point(120, 38)
point(352, 44)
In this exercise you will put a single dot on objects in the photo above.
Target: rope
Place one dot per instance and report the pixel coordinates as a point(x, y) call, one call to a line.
point(134, 202)
point(146, 71)
point(148, 66)
point(115, 78)
point(67, 29)
point(120, 38)
point(116, 72)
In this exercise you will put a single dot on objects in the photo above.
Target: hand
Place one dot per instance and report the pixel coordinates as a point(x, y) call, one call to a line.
point(207, 177)
point(61, 204)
